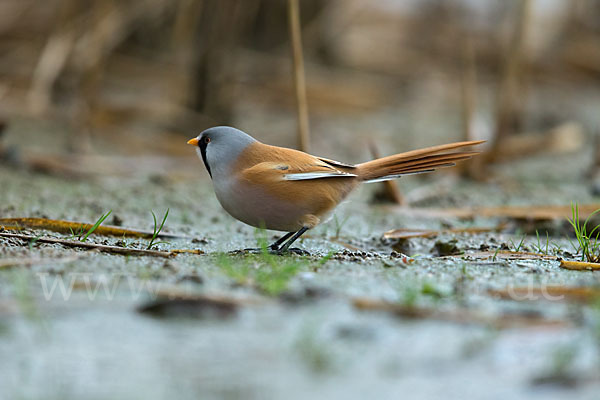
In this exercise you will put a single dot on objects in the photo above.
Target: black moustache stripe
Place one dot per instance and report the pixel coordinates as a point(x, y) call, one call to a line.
point(202, 146)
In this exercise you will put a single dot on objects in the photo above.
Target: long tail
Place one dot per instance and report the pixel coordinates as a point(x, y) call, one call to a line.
point(415, 162)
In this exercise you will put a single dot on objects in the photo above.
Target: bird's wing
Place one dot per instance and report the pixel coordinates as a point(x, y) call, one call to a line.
point(302, 176)
point(264, 163)
point(336, 163)
point(293, 171)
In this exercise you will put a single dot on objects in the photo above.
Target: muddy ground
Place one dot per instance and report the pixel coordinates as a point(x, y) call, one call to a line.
point(354, 319)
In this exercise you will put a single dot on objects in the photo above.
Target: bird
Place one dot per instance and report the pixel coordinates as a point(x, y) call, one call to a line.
point(283, 189)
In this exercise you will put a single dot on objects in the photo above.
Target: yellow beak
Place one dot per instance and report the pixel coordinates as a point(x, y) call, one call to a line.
point(193, 141)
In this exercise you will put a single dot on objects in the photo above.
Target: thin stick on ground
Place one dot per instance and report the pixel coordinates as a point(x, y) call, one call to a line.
point(91, 246)
point(299, 79)
point(580, 265)
point(62, 226)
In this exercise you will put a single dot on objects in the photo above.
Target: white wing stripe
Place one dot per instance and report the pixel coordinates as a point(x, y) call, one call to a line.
point(396, 176)
point(301, 176)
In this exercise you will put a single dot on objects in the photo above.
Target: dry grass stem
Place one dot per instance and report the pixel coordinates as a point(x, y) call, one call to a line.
point(299, 77)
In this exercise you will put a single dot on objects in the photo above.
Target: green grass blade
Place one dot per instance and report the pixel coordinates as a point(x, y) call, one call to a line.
point(96, 225)
point(157, 229)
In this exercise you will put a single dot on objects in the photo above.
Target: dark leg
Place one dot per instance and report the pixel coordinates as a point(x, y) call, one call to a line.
point(287, 244)
point(275, 246)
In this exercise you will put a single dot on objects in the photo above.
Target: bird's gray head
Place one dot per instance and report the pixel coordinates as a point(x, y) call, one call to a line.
point(220, 146)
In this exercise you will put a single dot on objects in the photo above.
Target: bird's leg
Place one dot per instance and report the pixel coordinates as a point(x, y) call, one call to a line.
point(286, 246)
point(278, 248)
point(275, 246)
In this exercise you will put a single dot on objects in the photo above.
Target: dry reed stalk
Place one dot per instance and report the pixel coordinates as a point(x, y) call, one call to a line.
point(474, 169)
point(390, 188)
point(299, 78)
point(507, 95)
point(53, 58)
point(104, 17)
point(187, 17)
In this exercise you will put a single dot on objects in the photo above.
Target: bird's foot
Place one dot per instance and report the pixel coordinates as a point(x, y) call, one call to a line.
point(271, 250)
point(253, 250)
point(294, 250)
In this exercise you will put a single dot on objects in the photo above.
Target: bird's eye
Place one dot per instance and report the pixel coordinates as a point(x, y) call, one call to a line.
point(207, 140)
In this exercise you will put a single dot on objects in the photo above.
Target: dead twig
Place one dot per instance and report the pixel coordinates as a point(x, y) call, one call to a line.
point(505, 255)
point(92, 246)
point(187, 251)
point(579, 265)
point(61, 226)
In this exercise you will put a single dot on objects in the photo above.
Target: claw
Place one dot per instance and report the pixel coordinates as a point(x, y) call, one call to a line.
point(294, 250)
point(246, 251)
point(277, 252)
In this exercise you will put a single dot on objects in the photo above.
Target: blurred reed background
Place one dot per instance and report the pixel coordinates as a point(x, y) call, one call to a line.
point(132, 77)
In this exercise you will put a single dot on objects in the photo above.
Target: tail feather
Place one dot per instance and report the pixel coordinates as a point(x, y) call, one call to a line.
point(416, 161)
point(430, 160)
